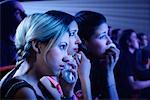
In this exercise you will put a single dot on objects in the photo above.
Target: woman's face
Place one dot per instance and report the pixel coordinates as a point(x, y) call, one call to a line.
point(57, 53)
point(74, 39)
point(100, 40)
point(134, 41)
point(19, 13)
point(144, 41)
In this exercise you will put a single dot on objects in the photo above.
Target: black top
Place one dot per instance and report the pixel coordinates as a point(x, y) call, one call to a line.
point(9, 88)
point(129, 65)
point(123, 69)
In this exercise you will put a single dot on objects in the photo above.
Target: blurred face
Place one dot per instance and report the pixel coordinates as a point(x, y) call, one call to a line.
point(74, 39)
point(144, 41)
point(134, 41)
point(56, 55)
point(100, 40)
point(19, 13)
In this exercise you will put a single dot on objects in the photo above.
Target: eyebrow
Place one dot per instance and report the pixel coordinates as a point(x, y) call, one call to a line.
point(103, 33)
point(74, 30)
point(64, 43)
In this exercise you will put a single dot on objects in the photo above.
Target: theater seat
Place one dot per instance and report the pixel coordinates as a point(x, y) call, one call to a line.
point(5, 69)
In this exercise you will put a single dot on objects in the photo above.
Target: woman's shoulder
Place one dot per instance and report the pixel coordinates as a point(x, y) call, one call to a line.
point(26, 93)
point(17, 88)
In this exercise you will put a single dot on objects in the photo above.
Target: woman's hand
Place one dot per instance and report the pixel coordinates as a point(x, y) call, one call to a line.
point(112, 55)
point(84, 65)
point(68, 87)
point(45, 83)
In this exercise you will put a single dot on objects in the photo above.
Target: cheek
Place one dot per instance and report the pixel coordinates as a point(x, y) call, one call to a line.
point(54, 60)
point(69, 50)
point(71, 47)
point(100, 46)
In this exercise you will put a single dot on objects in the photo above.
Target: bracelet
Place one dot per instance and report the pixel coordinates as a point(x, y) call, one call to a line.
point(67, 98)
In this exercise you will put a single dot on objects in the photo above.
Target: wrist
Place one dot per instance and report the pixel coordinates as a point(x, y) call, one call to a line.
point(68, 94)
point(84, 78)
point(110, 79)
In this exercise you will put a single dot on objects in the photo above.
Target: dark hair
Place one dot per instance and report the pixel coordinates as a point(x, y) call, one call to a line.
point(8, 22)
point(67, 18)
point(115, 32)
point(140, 35)
point(124, 37)
point(88, 21)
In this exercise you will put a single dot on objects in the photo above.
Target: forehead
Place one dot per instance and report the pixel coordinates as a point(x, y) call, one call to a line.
point(65, 38)
point(103, 28)
point(73, 26)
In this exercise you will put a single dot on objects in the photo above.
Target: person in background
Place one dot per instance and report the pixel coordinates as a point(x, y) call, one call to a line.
point(144, 46)
point(110, 30)
point(132, 76)
point(12, 13)
point(115, 36)
point(42, 42)
point(143, 40)
point(103, 55)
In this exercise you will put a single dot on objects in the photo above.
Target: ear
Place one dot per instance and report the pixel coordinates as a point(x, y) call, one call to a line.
point(36, 46)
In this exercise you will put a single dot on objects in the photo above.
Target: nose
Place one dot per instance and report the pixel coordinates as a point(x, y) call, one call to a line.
point(67, 58)
point(109, 41)
point(78, 40)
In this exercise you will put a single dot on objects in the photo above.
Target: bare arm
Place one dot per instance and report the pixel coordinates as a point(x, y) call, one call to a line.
point(25, 93)
point(138, 85)
point(86, 88)
point(84, 67)
point(112, 92)
point(111, 60)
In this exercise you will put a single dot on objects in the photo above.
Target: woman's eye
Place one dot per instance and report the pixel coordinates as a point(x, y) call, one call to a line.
point(71, 33)
point(102, 37)
point(63, 46)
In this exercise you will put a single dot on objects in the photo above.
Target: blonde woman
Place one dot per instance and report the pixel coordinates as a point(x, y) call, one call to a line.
point(42, 42)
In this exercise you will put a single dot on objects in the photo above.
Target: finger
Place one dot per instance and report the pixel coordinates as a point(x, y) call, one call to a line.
point(73, 65)
point(83, 56)
point(111, 45)
point(77, 59)
point(107, 59)
point(74, 72)
point(112, 59)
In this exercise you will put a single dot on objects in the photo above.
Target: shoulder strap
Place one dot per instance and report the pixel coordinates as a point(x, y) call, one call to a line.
point(9, 89)
point(45, 92)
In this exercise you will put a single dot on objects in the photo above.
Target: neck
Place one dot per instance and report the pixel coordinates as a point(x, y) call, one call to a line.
point(33, 72)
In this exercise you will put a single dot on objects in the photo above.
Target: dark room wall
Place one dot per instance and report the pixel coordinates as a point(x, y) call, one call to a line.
point(120, 13)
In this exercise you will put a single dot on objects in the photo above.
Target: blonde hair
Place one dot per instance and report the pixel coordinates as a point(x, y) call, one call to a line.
point(39, 27)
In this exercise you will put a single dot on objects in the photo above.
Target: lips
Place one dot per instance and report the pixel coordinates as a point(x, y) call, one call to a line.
point(75, 49)
point(62, 67)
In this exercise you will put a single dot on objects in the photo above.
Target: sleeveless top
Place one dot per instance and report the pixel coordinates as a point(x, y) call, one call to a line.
point(9, 88)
